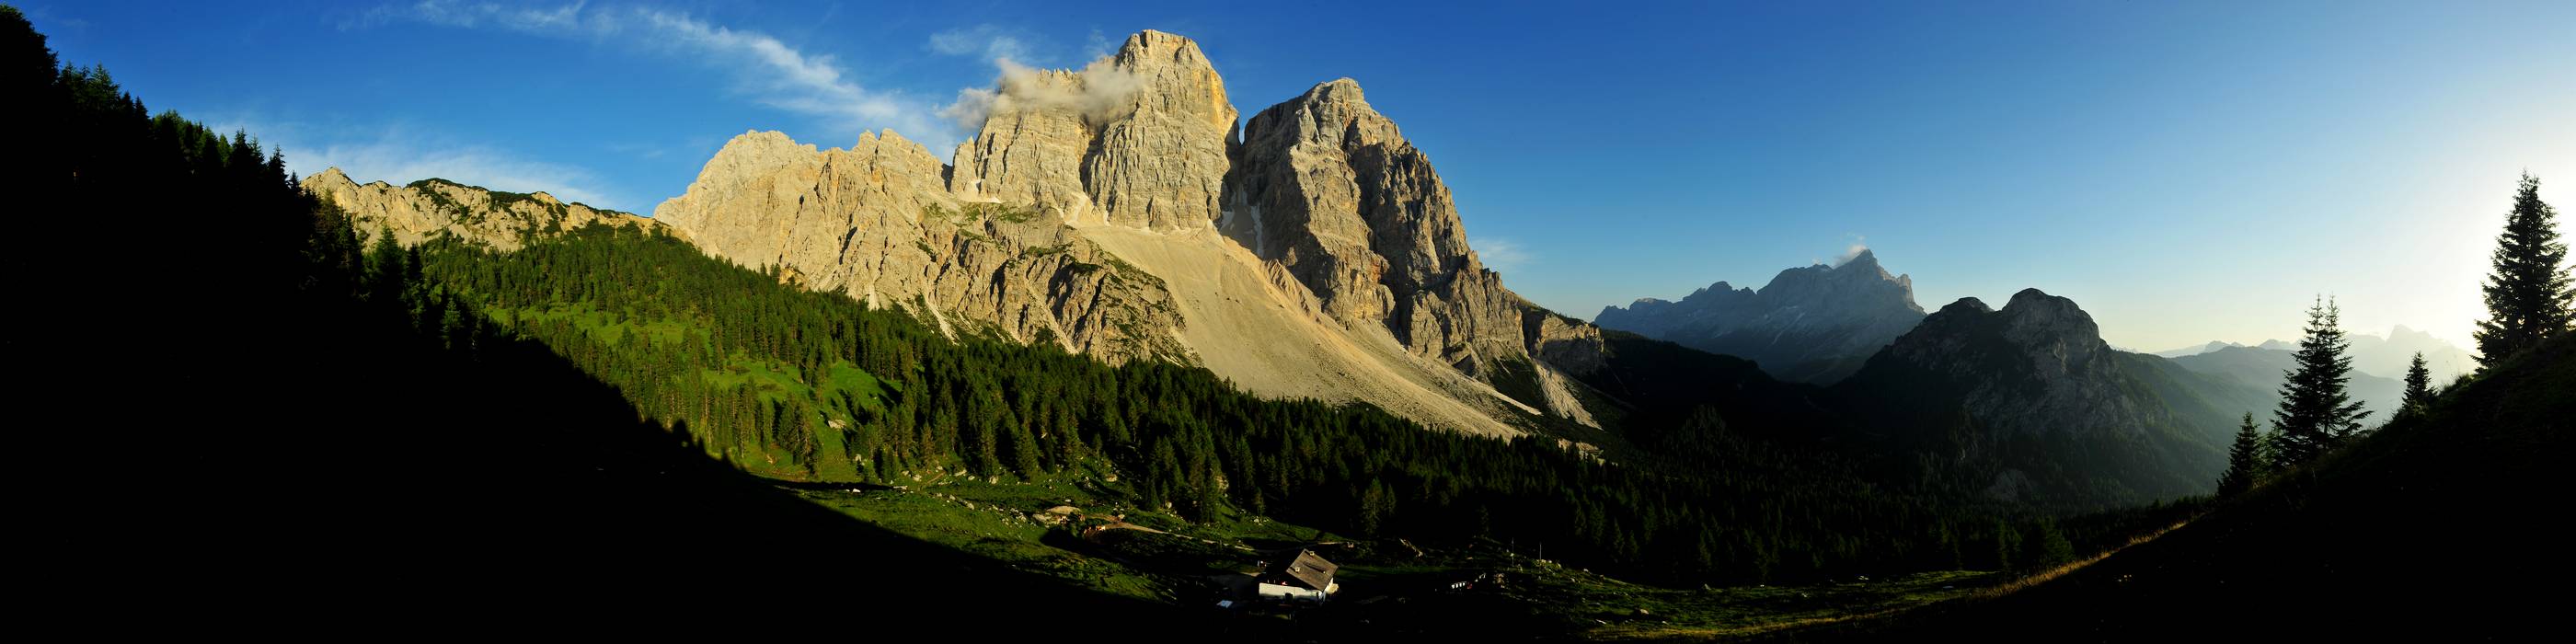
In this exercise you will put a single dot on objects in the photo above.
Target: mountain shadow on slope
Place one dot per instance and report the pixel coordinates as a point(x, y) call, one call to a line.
point(2028, 405)
point(2438, 525)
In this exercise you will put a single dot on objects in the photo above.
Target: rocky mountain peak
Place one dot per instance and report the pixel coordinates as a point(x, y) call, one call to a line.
point(1858, 280)
point(1865, 258)
point(2052, 328)
point(1392, 222)
point(2036, 334)
point(1137, 139)
point(1174, 77)
point(1965, 306)
point(1812, 323)
point(1346, 225)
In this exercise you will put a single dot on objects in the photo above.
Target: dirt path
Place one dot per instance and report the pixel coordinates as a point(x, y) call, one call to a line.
point(1998, 590)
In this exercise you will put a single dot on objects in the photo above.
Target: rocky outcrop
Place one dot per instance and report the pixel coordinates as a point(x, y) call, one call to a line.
point(430, 208)
point(1324, 229)
point(1329, 189)
point(2032, 392)
point(1139, 139)
point(874, 222)
point(2038, 365)
point(1811, 324)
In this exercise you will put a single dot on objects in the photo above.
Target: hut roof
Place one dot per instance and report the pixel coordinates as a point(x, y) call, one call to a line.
point(1306, 569)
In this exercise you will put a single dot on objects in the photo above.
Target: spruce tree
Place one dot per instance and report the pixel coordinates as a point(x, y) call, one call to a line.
point(2528, 295)
point(2316, 412)
point(2419, 386)
point(2244, 460)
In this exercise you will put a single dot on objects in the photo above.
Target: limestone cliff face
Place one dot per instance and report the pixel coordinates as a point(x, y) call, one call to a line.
point(1139, 139)
point(874, 221)
point(1325, 230)
point(1330, 189)
point(430, 207)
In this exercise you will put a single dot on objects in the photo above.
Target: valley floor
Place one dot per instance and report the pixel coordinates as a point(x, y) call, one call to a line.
point(1389, 588)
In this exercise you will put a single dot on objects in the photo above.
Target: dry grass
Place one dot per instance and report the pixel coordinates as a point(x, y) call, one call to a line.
point(2044, 576)
point(1718, 632)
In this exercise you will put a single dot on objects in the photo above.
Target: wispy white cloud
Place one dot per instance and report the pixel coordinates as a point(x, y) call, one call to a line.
point(47, 21)
point(1098, 46)
point(786, 78)
point(986, 40)
point(1502, 255)
point(1859, 244)
point(1100, 90)
point(470, 14)
point(769, 71)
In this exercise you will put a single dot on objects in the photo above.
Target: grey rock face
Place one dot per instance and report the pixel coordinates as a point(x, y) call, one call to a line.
point(873, 222)
point(1329, 189)
point(432, 207)
point(1811, 324)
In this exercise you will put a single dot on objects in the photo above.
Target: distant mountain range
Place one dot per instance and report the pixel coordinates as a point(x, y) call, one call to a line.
point(2194, 350)
point(1811, 324)
point(2264, 369)
point(2382, 356)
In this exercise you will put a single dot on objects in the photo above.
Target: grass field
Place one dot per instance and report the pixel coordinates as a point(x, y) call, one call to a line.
point(1388, 586)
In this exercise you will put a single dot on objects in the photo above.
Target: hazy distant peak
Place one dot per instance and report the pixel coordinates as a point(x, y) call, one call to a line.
point(1811, 322)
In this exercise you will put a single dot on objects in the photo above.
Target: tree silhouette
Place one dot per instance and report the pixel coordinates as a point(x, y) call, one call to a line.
point(2317, 413)
point(2244, 460)
point(2528, 295)
point(2419, 386)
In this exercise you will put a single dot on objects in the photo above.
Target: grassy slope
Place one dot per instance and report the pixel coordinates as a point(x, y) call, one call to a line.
point(2434, 524)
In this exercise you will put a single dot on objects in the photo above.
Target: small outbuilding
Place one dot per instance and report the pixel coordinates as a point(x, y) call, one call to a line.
point(1304, 577)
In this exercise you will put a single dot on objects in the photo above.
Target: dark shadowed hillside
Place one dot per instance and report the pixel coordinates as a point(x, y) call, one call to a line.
point(2440, 525)
point(2027, 404)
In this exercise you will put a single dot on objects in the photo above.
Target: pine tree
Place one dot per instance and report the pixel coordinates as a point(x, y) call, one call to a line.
point(2528, 295)
point(2419, 386)
point(2316, 412)
point(2244, 460)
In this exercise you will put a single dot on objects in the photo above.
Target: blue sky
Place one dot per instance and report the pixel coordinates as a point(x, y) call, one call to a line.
point(2186, 171)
